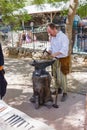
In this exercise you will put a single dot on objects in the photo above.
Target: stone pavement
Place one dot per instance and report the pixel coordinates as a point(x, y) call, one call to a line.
point(14, 119)
point(69, 116)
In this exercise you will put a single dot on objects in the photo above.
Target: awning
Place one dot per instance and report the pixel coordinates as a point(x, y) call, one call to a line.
point(44, 8)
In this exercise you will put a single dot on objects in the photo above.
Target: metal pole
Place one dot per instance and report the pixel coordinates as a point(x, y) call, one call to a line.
point(32, 28)
point(12, 35)
point(23, 24)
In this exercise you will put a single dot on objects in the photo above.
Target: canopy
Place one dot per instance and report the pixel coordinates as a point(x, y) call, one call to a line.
point(45, 8)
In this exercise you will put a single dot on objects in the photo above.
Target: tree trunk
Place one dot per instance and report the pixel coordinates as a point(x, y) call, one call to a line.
point(69, 22)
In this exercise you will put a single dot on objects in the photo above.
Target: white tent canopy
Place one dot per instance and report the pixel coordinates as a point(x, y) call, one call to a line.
point(47, 8)
point(44, 8)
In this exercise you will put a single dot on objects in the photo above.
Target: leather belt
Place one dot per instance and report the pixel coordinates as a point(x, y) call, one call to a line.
point(1, 67)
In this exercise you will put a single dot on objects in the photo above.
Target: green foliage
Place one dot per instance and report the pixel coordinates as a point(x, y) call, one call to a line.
point(38, 2)
point(50, 1)
point(82, 11)
point(45, 1)
point(7, 8)
point(64, 12)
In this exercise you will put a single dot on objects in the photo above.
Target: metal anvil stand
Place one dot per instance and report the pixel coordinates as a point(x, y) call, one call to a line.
point(41, 83)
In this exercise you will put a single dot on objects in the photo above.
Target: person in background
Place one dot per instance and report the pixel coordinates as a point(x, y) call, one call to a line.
point(22, 38)
point(77, 23)
point(57, 19)
point(3, 82)
point(59, 47)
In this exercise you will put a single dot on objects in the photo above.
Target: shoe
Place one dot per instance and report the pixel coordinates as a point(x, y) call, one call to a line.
point(64, 97)
point(59, 91)
point(32, 99)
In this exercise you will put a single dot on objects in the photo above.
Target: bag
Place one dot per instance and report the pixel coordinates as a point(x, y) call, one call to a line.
point(3, 84)
point(65, 64)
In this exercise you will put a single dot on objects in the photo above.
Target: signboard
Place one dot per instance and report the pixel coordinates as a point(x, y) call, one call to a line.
point(13, 119)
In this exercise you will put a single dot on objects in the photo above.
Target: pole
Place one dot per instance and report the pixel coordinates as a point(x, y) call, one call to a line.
point(32, 28)
point(11, 33)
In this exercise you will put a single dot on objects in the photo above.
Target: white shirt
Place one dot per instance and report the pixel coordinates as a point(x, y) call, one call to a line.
point(60, 43)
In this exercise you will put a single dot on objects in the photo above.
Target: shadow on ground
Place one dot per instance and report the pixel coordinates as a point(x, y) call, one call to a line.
point(66, 116)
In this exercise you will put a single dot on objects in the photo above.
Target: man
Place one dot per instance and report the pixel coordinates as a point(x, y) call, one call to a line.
point(3, 82)
point(59, 47)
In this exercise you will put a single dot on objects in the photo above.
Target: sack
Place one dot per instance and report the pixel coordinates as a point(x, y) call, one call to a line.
point(65, 64)
point(3, 84)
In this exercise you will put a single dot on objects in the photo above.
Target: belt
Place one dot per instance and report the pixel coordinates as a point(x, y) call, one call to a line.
point(1, 67)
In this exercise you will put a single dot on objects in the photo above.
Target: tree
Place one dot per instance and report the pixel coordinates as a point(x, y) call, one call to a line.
point(7, 9)
point(72, 11)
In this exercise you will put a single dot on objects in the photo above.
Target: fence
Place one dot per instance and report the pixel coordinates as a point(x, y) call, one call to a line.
point(80, 40)
point(80, 45)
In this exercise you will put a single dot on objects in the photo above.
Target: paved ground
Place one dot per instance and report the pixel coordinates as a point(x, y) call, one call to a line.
point(69, 116)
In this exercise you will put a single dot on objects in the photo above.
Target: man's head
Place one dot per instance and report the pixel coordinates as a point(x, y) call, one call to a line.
point(52, 29)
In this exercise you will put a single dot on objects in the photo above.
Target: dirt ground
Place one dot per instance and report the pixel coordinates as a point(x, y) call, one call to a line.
point(69, 116)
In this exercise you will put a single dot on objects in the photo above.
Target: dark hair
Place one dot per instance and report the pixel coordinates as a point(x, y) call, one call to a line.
point(52, 25)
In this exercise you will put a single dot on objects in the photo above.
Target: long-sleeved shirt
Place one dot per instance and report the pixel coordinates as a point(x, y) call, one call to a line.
point(60, 43)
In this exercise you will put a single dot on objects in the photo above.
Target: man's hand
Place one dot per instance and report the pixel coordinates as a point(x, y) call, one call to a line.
point(55, 54)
